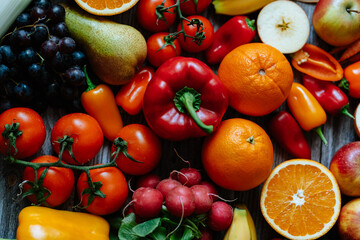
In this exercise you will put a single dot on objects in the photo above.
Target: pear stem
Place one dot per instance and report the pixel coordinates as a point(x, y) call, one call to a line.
point(352, 10)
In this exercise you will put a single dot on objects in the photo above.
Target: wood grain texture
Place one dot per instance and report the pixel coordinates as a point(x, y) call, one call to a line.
point(338, 130)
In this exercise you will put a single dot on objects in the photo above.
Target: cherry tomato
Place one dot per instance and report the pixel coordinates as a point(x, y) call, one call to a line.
point(85, 132)
point(142, 145)
point(146, 15)
point(114, 186)
point(156, 52)
point(33, 132)
point(188, 44)
point(59, 181)
point(189, 8)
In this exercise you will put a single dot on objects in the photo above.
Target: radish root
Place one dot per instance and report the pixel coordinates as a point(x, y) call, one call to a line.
point(182, 159)
point(178, 172)
point(180, 222)
point(222, 199)
point(127, 205)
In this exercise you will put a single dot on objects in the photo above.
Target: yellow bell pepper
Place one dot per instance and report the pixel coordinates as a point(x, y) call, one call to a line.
point(42, 223)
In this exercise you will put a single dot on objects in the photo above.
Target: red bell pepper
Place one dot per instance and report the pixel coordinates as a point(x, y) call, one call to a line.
point(330, 97)
point(184, 99)
point(235, 32)
point(318, 63)
point(351, 80)
point(130, 96)
point(287, 132)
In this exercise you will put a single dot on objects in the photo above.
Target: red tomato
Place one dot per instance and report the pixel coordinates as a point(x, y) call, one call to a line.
point(143, 145)
point(156, 53)
point(189, 8)
point(86, 133)
point(59, 181)
point(33, 132)
point(114, 186)
point(188, 44)
point(146, 15)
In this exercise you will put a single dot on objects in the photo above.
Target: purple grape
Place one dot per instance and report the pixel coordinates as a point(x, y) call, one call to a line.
point(43, 3)
point(67, 45)
point(74, 76)
point(48, 49)
point(4, 73)
point(27, 57)
point(60, 29)
point(8, 55)
point(38, 13)
point(23, 19)
point(34, 70)
point(78, 58)
point(20, 38)
point(56, 13)
point(23, 92)
point(39, 34)
point(54, 38)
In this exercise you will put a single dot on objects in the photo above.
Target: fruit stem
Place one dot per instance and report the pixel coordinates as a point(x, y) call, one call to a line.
point(321, 135)
point(352, 10)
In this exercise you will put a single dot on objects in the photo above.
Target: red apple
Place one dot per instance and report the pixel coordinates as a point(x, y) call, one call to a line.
point(349, 220)
point(345, 165)
point(337, 22)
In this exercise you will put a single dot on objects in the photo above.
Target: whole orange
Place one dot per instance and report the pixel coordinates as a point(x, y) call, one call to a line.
point(258, 78)
point(238, 155)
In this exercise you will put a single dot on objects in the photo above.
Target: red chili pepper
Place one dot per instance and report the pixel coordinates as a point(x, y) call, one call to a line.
point(184, 99)
point(330, 97)
point(130, 96)
point(317, 63)
point(284, 128)
point(351, 80)
point(235, 32)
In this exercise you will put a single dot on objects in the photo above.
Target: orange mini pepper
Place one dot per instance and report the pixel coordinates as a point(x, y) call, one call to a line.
point(99, 102)
point(131, 95)
point(317, 63)
point(306, 109)
point(351, 80)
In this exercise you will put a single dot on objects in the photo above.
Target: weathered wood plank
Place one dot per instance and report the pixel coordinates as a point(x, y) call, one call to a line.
point(338, 130)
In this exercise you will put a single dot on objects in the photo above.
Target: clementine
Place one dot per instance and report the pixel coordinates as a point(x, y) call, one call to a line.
point(258, 78)
point(238, 155)
point(301, 199)
point(106, 7)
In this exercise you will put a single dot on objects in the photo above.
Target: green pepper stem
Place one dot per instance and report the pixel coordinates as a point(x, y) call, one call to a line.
point(90, 84)
point(345, 111)
point(321, 135)
point(344, 84)
point(188, 99)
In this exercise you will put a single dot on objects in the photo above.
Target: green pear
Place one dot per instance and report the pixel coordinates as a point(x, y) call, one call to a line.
point(115, 51)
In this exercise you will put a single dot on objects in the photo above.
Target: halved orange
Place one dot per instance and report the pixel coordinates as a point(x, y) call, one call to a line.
point(106, 7)
point(301, 199)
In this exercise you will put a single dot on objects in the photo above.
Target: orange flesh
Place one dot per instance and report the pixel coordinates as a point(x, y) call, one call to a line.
point(103, 4)
point(315, 197)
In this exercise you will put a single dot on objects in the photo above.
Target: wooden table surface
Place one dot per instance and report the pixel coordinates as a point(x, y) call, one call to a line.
point(338, 130)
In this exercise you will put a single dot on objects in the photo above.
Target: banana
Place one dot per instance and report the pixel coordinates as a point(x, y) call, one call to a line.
point(242, 226)
point(238, 7)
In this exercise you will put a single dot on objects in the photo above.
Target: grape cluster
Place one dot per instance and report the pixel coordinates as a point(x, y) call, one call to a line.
point(40, 64)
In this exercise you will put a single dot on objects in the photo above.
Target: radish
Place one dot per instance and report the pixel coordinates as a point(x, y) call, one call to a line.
point(180, 201)
point(220, 216)
point(167, 185)
point(203, 200)
point(150, 180)
point(147, 202)
point(189, 176)
point(212, 189)
point(206, 234)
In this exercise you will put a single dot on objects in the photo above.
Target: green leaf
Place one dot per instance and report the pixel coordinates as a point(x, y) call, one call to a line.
point(125, 230)
point(145, 228)
point(176, 236)
point(187, 235)
point(158, 234)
